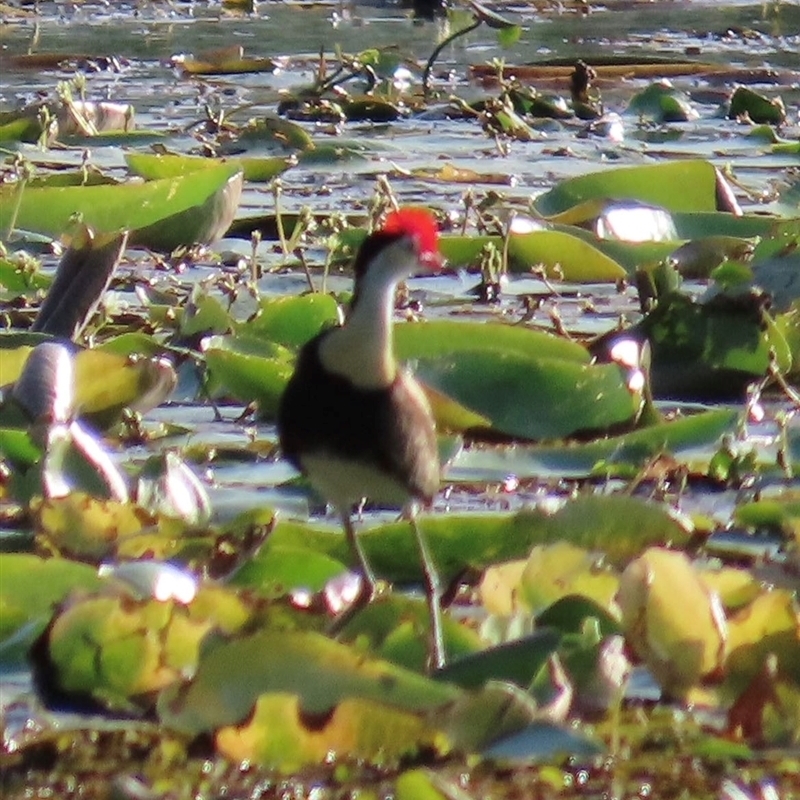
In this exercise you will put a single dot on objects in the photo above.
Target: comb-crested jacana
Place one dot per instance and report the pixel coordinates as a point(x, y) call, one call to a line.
point(352, 420)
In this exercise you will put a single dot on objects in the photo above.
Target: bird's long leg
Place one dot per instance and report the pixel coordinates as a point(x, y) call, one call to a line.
point(357, 548)
point(368, 582)
point(433, 593)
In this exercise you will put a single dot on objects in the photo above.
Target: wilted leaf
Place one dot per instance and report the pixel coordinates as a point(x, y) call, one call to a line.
point(121, 651)
point(672, 620)
point(769, 625)
point(86, 527)
point(560, 569)
point(281, 733)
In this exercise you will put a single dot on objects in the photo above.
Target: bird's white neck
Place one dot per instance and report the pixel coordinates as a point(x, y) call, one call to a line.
point(362, 349)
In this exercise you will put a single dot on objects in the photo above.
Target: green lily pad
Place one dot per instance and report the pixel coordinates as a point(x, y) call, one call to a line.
point(151, 166)
point(249, 369)
point(625, 453)
point(17, 447)
point(688, 185)
point(661, 102)
point(516, 661)
point(195, 208)
point(562, 255)
point(619, 527)
point(276, 569)
point(444, 337)
point(397, 628)
point(22, 278)
point(292, 321)
point(31, 587)
point(711, 349)
point(759, 108)
point(232, 675)
point(570, 398)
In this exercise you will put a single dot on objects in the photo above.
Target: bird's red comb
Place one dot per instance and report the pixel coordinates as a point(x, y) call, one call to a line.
point(417, 222)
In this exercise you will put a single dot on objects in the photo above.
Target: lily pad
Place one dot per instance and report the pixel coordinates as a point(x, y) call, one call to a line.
point(563, 256)
point(689, 185)
point(233, 675)
point(32, 586)
point(194, 208)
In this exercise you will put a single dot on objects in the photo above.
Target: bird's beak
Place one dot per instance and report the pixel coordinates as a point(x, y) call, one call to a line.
point(432, 261)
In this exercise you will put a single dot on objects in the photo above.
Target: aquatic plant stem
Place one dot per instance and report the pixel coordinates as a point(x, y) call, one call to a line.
point(426, 75)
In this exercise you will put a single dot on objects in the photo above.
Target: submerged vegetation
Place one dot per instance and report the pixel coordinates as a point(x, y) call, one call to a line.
point(611, 355)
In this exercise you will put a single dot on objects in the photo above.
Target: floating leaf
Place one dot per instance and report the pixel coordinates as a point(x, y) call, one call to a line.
point(620, 527)
point(281, 733)
point(277, 569)
point(760, 109)
point(153, 166)
point(661, 102)
point(672, 620)
point(121, 651)
point(444, 337)
point(687, 185)
point(625, 453)
point(272, 132)
point(769, 625)
point(136, 383)
point(89, 528)
point(232, 675)
point(564, 256)
point(292, 321)
point(570, 398)
point(249, 369)
point(554, 571)
point(31, 587)
point(711, 349)
point(515, 662)
point(542, 741)
point(139, 384)
point(228, 61)
point(397, 628)
point(164, 214)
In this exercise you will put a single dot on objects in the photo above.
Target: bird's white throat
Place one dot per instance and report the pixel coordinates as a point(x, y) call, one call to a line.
point(362, 349)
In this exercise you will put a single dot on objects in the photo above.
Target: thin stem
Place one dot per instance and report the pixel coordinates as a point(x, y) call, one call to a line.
point(301, 257)
point(426, 75)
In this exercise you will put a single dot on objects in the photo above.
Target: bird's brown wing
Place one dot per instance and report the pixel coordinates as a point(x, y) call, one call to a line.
point(390, 429)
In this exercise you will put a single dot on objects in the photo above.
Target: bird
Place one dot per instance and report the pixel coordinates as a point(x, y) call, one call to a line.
point(356, 423)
